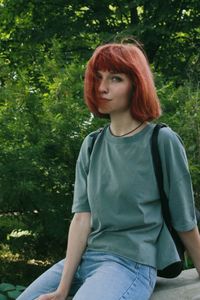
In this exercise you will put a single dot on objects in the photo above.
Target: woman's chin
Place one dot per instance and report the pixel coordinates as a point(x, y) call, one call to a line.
point(103, 110)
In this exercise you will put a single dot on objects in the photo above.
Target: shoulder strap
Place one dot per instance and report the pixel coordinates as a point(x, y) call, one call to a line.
point(159, 174)
point(94, 137)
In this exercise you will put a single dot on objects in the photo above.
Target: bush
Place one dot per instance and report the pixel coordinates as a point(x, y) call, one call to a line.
point(10, 291)
point(181, 108)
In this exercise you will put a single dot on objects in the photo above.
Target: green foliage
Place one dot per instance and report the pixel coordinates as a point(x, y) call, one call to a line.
point(169, 30)
point(9, 291)
point(42, 127)
point(188, 264)
point(43, 119)
point(8, 222)
point(181, 106)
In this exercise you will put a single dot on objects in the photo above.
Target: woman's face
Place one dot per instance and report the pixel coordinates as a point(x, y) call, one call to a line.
point(113, 92)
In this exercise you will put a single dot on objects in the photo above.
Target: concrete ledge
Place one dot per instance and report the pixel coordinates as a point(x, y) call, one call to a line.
point(185, 287)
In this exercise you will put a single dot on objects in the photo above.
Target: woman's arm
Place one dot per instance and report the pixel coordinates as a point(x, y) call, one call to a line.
point(191, 240)
point(77, 240)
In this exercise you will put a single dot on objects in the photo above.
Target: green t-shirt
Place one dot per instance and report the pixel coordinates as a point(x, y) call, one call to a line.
point(117, 184)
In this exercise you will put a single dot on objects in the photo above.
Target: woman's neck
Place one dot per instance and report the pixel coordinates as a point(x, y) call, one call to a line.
point(125, 125)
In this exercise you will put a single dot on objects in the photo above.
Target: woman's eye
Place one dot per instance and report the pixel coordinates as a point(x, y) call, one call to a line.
point(98, 77)
point(116, 78)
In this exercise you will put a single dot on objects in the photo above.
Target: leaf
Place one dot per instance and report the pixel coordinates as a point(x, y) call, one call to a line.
point(13, 294)
point(2, 297)
point(20, 288)
point(4, 287)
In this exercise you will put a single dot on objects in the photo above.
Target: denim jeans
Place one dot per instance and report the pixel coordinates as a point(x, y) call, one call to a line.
point(99, 276)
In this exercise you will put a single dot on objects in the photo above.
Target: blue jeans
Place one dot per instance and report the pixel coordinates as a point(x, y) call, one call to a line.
point(99, 276)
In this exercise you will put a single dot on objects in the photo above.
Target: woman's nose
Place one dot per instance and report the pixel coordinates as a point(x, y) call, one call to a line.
point(103, 86)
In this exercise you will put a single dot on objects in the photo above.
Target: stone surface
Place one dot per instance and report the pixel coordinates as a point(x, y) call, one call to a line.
point(185, 287)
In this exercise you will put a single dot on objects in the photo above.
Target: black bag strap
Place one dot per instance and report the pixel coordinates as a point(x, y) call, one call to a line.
point(94, 137)
point(159, 177)
point(159, 174)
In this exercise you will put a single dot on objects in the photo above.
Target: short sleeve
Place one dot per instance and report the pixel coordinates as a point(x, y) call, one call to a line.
point(80, 200)
point(177, 180)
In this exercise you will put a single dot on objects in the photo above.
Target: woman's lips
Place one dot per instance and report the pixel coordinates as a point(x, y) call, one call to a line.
point(105, 99)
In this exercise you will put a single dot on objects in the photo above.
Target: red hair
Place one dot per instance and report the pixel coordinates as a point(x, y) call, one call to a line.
point(131, 60)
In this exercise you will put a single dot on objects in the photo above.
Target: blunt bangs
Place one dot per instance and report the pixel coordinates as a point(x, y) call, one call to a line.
point(112, 60)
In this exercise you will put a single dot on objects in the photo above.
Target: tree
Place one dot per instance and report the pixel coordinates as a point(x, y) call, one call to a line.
point(43, 50)
point(41, 133)
point(181, 109)
point(169, 30)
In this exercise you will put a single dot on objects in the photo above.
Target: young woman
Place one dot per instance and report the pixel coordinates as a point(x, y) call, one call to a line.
point(117, 238)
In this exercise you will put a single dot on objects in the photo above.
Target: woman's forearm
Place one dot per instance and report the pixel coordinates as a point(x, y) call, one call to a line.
point(77, 240)
point(191, 240)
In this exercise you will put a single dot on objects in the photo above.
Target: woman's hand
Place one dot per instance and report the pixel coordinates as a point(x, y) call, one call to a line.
point(52, 296)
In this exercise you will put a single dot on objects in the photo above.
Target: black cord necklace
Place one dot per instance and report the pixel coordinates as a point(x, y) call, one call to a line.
point(126, 132)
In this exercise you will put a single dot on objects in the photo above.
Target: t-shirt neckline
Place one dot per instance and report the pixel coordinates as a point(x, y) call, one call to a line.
point(127, 139)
